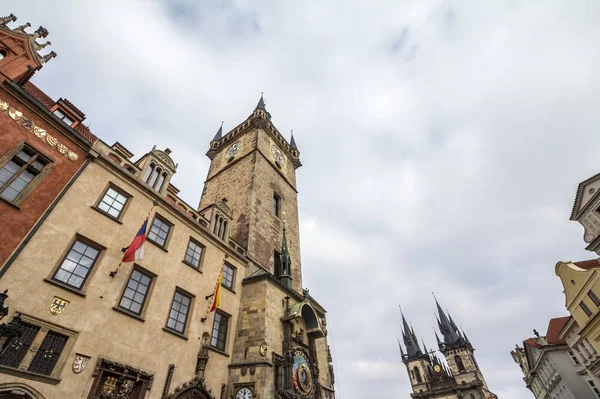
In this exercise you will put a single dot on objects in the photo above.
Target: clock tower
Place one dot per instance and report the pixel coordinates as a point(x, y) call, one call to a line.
point(280, 342)
point(253, 168)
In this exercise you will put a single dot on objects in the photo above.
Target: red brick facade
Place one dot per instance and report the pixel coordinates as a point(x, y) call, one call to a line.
point(25, 117)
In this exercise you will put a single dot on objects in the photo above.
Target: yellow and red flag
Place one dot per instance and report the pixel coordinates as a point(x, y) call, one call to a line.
point(217, 298)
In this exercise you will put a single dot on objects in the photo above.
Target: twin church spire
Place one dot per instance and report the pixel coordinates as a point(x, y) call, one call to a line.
point(452, 337)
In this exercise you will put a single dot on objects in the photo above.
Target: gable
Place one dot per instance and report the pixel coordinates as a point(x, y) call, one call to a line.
point(586, 192)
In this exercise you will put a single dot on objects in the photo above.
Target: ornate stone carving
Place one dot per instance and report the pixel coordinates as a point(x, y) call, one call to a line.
point(79, 363)
point(202, 356)
point(194, 389)
point(105, 364)
point(244, 370)
point(252, 370)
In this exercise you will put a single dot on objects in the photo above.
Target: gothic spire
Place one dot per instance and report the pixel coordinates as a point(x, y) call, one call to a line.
point(261, 103)
point(401, 350)
point(410, 339)
point(285, 262)
point(219, 133)
point(446, 326)
point(293, 142)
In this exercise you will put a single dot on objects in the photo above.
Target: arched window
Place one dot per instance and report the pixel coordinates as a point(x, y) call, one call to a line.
point(160, 182)
point(163, 182)
point(223, 233)
point(216, 226)
point(459, 363)
point(154, 177)
point(147, 174)
point(417, 375)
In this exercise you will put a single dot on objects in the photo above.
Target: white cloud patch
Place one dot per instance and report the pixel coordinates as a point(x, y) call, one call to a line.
point(442, 143)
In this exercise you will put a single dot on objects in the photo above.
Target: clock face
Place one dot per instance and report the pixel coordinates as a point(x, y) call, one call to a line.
point(244, 393)
point(302, 376)
point(233, 149)
point(277, 154)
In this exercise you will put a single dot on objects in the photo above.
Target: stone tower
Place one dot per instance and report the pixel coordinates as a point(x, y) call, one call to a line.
point(459, 377)
point(253, 170)
point(280, 347)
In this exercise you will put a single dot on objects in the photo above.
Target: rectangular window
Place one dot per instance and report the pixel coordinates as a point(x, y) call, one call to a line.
point(276, 264)
point(21, 172)
point(573, 356)
point(159, 231)
point(228, 273)
point(76, 266)
point(193, 254)
point(136, 291)
point(179, 312)
point(594, 298)
point(49, 343)
point(594, 388)
point(48, 353)
point(276, 203)
point(113, 201)
point(63, 117)
point(585, 308)
point(219, 333)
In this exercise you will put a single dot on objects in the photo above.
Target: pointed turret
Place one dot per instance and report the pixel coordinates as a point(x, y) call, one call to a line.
point(401, 350)
point(447, 327)
point(293, 142)
point(261, 103)
point(437, 338)
point(285, 262)
point(219, 133)
point(411, 342)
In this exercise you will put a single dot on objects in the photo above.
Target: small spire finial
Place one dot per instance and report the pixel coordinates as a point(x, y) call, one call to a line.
point(5, 20)
point(21, 28)
point(219, 133)
point(261, 103)
point(48, 57)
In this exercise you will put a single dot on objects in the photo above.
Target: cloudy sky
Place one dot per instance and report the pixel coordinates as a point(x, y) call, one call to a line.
point(442, 144)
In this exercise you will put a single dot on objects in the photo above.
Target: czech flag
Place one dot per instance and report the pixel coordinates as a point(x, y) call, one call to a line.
point(217, 300)
point(136, 250)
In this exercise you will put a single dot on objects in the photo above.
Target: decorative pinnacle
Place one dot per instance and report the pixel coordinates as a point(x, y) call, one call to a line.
point(48, 57)
point(21, 29)
point(38, 46)
point(41, 32)
point(5, 20)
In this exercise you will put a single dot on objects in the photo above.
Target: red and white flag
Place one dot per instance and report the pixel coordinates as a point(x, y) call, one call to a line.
point(136, 250)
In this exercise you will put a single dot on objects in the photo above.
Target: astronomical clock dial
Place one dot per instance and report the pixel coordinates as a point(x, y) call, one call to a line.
point(244, 393)
point(277, 154)
point(303, 379)
point(233, 149)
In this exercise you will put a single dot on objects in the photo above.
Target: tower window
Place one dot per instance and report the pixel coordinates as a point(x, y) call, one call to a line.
point(585, 308)
point(459, 363)
point(594, 298)
point(417, 374)
point(66, 120)
point(276, 204)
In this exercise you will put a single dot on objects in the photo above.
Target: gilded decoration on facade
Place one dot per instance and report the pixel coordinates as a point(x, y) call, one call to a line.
point(37, 131)
point(58, 305)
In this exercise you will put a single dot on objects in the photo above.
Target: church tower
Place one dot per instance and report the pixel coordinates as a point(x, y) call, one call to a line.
point(458, 377)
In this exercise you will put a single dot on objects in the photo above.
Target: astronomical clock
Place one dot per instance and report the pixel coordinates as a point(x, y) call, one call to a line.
point(302, 374)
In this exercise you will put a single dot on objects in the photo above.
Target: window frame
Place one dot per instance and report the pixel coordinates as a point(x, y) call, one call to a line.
point(586, 309)
point(45, 328)
point(124, 193)
point(216, 348)
point(200, 261)
point(573, 357)
point(186, 325)
point(592, 295)
point(276, 204)
point(169, 233)
point(144, 307)
point(64, 115)
point(86, 241)
point(233, 275)
point(28, 189)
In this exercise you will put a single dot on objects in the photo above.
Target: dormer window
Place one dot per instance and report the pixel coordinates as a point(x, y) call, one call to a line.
point(155, 177)
point(68, 121)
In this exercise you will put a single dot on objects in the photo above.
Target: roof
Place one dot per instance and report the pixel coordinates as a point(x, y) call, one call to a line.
point(48, 102)
point(532, 342)
point(588, 264)
point(554, 328)
point(579, 194)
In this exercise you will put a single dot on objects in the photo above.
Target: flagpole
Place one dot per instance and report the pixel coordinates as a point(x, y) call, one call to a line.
point(114, 272)
point(213, 295)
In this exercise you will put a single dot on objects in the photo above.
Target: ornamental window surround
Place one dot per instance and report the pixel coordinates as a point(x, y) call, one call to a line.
point(21, 170)
point(40, 353)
